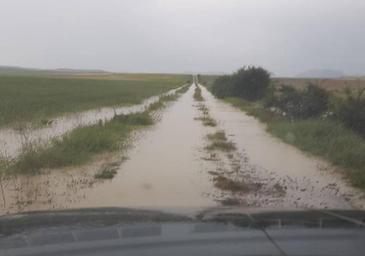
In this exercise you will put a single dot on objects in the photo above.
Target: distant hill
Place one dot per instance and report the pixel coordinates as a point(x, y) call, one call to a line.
point(19, 71)
point(321, 73)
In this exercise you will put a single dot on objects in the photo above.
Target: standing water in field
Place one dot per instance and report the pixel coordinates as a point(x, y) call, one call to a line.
point(13, 140)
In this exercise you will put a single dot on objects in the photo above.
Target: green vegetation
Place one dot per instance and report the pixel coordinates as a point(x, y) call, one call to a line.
point(207, 80)
point(326, 138)
point(203, 109)
point(207, 121)
point(81, 144)
point(220, 142)
point(198, 94)
point(134, 119)
point(24, 99)
point(106, 174)
point(224, 183)
point(248, 83)
point(218, 136)
point(221, 145)
point(350, 110)
point(311, 118)
point(108, 171)
point(166, 98)
point(206, 118)
point(183, 89)
point(312, 101)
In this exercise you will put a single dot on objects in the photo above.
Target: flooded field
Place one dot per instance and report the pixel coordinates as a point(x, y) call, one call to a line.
point(175, 164)
point(13, 140)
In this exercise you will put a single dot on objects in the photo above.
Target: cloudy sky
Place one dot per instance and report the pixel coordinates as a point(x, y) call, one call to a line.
point(284, 36)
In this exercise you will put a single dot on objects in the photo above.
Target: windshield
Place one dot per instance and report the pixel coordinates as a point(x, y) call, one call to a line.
point(182, 106)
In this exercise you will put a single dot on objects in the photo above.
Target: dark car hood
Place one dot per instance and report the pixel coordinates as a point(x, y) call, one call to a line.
point(221, 231)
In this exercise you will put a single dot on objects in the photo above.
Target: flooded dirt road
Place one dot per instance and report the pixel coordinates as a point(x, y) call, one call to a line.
point(286, 176)
point(169, 166)
point(164, 169)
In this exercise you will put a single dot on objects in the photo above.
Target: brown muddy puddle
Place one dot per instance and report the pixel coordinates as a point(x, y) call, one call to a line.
point(168, 167)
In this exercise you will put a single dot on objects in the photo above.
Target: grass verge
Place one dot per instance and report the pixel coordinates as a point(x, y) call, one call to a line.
point(328, 139)
point(80, 145)
point(324, 138)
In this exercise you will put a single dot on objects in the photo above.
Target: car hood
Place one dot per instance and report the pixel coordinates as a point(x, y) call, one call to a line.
point(218, 231)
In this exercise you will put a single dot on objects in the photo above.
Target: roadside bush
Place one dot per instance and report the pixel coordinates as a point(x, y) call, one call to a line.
point(248, 83)
point(315, 100)
point(222, 86)
point(310, 102)
point(351, 112)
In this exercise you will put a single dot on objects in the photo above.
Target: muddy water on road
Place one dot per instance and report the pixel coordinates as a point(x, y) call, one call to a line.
point(12, 140)
point(287, 177)
point(169, 168)
point(164, 170)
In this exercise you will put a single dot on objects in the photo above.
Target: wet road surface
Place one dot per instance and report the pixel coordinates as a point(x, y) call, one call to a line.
point(169, 167)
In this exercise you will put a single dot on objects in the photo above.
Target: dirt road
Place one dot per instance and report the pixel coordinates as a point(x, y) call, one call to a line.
point(170, 167)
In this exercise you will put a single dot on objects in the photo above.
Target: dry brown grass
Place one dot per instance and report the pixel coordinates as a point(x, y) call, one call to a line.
point(329, 84)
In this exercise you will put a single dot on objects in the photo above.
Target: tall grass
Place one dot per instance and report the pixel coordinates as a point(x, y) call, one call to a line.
point(81, 144)
point(328, 139)
point(25, 99)
point(325, 138)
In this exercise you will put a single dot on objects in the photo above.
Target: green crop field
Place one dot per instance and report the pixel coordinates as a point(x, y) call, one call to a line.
point(36, 98)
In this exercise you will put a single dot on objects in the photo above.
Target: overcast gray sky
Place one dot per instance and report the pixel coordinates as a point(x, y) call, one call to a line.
point(284, 36)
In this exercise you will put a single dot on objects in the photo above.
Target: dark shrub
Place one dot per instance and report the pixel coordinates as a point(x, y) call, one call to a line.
point(310, 102)
point(222, 86)
point(270, 98)
point(351, 112)
point(315, 101)
point(248, 83)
